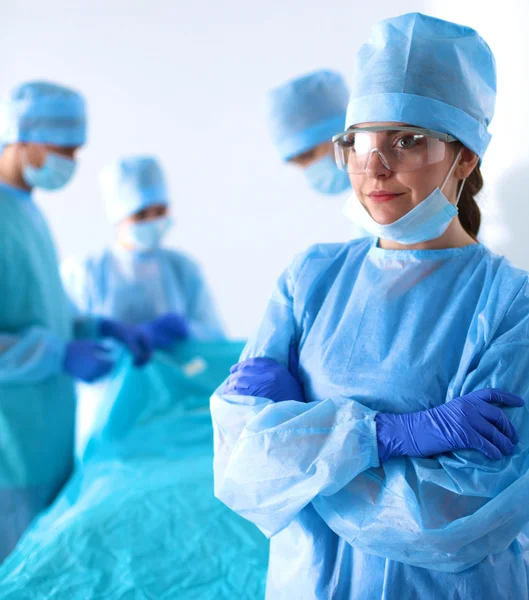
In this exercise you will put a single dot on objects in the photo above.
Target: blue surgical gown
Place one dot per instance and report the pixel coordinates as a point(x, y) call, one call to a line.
point(138, 286)
point(37, 401)
point(392, 331)
point(135, 287)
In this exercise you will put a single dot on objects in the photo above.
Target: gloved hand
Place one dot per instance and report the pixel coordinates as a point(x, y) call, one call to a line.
point(266, 378)
point(164, 331)
point(131, 336)
point(468, 422)
point(87, 360)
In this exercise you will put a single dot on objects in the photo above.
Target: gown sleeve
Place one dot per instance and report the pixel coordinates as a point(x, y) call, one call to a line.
point(29, 351)
point(271, 459)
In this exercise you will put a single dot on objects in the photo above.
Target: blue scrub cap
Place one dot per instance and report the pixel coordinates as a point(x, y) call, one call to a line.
point(132, 184)
point(426, 72)
point(307, 111)
point(43, 113)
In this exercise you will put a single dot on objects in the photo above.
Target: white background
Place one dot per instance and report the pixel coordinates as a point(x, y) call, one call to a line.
point(505, 201)
point(185, 80)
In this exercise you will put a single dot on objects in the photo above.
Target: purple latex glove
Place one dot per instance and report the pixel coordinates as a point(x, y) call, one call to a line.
point(164, 331)
point(468, 422)
point(265, 378)
point(87, 360)
point(131, 336)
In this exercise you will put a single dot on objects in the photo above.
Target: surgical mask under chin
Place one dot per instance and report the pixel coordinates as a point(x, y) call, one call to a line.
point(146, 235)
point(426, 221)
point(55, 173)
point(325, 177)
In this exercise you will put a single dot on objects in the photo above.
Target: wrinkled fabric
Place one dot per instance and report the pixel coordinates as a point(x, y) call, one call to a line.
point(132, 184)
point(139, 518)
point(388, 331)
point(37, 401)
point(44, 113)
point(135, 288)
point(306, 111)
point(396, 79)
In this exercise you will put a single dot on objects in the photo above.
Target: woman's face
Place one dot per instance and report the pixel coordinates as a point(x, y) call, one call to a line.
point(388, 196)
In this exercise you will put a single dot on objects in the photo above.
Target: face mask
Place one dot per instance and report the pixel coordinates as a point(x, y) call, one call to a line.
point(148, 234)
point(426, 221)
point(325, 177)
point(55, 173)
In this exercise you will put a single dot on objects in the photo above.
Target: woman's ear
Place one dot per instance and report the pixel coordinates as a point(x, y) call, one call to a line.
point(466, 164)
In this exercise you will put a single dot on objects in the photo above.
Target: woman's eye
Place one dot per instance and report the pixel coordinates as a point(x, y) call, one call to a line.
point(348, 141)
point(406, 142)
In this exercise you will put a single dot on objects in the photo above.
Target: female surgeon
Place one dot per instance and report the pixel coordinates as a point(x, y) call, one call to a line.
point(365, 430)
point(138, 280)
point(303, 115)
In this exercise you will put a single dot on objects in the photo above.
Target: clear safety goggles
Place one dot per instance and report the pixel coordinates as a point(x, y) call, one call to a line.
point(399, 149)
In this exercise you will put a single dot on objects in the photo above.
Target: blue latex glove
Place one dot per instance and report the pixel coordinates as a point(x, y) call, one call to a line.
point(265, 378)
point(164, 331)
point(468, 422)
point(87, 360)
point(131, 336)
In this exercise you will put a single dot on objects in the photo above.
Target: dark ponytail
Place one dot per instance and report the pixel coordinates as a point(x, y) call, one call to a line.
point(469, 213)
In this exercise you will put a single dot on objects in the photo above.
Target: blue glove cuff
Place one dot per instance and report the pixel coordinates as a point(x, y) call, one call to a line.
point(392, 434)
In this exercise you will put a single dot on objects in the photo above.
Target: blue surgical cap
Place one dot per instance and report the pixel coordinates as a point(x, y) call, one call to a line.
point(43, 113)
point(307, 111)
point(429, 73)
point(132, 184)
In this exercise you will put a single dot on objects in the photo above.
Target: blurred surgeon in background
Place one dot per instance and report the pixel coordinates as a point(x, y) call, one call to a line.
point(42, 126)
point(137, 280)
point(304, 114)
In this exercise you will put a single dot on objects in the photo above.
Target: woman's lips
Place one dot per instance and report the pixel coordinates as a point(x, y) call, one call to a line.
point(381, 197)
